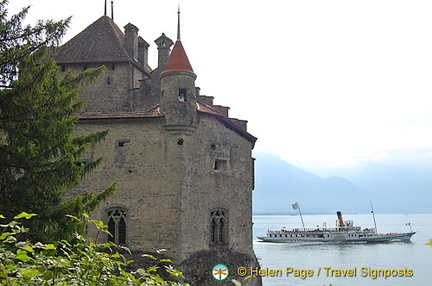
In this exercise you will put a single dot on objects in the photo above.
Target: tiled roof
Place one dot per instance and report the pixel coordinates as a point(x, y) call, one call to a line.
point(204, 108)
point(151, 113)
point(178, 60)
point(102, 41)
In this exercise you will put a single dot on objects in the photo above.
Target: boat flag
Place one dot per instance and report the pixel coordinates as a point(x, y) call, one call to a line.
point(297, 207)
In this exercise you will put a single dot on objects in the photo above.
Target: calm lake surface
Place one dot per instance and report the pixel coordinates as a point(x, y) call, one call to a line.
point(357, 261)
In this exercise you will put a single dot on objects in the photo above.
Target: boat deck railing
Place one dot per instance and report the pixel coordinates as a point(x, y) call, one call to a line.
point(314, 229)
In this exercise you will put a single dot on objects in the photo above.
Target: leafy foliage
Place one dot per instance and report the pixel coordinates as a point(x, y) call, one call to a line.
point(81, 263)
point(39, 157)
point(18, 42)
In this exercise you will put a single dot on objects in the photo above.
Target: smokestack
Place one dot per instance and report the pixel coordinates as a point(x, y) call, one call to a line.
point(341, 222)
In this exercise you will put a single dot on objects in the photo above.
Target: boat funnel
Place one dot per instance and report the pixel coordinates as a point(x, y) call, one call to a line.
point(341, 222)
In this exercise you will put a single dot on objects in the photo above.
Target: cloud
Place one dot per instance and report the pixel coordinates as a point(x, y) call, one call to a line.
point(321, 83)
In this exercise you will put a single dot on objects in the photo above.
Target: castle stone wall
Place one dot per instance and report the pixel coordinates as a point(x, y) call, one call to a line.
point(170, 189)
point(205, 189)
point(111, 91)
point(147, 173)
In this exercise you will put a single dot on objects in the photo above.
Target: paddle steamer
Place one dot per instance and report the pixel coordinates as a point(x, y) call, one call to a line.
point(343, 232)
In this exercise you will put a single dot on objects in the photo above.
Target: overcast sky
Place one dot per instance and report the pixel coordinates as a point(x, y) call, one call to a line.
point(323, 84)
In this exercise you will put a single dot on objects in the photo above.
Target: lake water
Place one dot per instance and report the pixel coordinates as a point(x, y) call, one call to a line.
point(358, 261)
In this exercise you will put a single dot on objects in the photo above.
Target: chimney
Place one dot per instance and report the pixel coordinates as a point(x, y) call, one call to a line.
point(131, 41)
point(143, 52)
point(164, 47)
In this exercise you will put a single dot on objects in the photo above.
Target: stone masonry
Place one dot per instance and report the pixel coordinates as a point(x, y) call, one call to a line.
point(184, 169)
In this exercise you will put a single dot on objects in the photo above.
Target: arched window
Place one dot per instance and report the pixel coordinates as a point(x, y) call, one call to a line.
point(117, 225)
point(218, 227)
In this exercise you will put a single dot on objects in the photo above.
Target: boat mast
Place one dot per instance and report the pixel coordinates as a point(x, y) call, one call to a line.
point(373, 214)
point(297, 207)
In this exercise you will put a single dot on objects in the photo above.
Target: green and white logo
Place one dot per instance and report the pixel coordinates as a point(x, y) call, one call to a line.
point(220, 272)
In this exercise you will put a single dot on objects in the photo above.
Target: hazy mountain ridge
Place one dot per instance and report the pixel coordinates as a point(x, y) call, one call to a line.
point(404, 189)
point(279, 184)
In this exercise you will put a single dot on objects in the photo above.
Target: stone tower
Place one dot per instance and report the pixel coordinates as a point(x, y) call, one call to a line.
point(183, 167)
point(178, 101)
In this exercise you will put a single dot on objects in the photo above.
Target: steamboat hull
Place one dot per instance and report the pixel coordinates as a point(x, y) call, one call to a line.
point(337, 238)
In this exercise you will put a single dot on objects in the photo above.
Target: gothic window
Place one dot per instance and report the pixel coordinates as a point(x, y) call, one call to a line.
point(117, 226)
point(218, 227)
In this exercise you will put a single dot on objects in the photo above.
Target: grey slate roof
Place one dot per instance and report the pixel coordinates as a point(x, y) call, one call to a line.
point(102, 41)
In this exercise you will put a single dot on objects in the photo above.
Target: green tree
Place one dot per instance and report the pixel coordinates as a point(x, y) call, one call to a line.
point(83, 262)
point(39, 156)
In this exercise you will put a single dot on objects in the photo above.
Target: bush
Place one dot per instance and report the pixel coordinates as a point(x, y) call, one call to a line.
point(83, 262)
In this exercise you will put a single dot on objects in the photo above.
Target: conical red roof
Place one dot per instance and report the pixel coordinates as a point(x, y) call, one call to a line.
point(178, 60)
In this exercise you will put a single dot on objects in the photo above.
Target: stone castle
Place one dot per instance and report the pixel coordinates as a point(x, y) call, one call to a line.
point(183, 167)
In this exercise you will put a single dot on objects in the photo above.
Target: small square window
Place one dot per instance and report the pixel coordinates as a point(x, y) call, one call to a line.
point(220, 165)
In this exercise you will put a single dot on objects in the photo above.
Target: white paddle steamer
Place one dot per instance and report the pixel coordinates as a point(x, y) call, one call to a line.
point(343, 232)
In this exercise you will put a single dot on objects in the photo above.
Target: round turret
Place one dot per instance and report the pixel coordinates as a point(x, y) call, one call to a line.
point(178, 99)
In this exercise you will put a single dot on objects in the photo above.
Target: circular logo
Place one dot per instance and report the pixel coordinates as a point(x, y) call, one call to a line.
point(220, 272)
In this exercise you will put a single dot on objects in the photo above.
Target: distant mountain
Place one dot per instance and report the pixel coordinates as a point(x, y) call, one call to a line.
point(401, 189)
point(279, 184)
